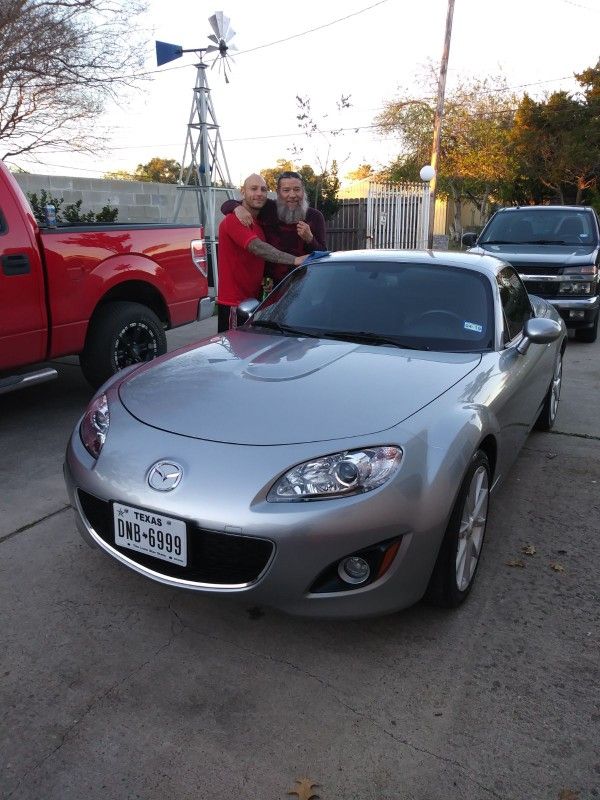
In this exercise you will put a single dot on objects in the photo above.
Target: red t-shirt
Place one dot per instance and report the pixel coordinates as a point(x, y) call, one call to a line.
point(240, 272)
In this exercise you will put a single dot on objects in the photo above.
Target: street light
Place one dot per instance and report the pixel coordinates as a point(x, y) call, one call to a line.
point(427, 174)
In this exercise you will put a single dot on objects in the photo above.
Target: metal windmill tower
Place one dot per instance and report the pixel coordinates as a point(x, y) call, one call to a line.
point(204, 169)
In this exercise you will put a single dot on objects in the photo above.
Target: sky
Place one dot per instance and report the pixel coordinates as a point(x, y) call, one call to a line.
point(367, 49)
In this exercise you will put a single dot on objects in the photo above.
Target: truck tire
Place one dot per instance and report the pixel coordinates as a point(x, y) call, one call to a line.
point(588, 334)
point(120, 333)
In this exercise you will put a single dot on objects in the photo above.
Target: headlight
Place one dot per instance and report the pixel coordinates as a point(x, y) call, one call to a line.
point(350, 472)
point(575, 287)
point(94, 425)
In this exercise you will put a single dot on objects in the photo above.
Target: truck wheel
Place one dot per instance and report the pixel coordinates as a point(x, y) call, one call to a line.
point(588, 334)
point(120, 334)
point(458, 559)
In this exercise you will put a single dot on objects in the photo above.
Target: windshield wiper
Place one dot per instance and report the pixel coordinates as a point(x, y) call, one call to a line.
point(368, 338)
point(286, 330)
point(495, 241)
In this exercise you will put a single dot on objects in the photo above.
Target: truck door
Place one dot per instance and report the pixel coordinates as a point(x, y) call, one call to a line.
point(23, 317)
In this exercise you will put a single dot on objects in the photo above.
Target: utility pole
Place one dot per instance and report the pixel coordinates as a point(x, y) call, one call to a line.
point(437, 122)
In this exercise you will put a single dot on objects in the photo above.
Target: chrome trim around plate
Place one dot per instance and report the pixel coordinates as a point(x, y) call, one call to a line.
point(158, 576)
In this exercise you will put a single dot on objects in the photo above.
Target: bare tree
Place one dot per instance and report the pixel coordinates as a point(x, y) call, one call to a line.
point(60, 61)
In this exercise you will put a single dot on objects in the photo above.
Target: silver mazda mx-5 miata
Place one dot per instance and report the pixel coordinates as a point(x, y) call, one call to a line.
point(335, 455)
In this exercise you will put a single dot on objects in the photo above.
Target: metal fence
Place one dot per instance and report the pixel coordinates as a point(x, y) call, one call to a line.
point(398, 215)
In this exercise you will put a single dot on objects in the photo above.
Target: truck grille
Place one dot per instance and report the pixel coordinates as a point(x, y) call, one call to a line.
point(214, 558)
point(542, 288)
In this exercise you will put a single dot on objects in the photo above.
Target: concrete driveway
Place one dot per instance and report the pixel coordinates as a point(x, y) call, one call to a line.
point(115, 687)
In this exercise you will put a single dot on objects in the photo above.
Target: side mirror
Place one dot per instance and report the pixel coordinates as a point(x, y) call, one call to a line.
point(539, 331)
point(468, 239)
point(246, 308)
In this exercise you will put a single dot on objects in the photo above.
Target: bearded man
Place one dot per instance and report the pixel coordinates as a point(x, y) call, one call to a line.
point(289, 223)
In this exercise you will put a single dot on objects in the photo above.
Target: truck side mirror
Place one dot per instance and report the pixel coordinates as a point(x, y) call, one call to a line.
point(468, 239)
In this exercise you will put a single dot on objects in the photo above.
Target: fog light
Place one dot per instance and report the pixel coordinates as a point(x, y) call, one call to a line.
point(354, 570)
point(576, 314)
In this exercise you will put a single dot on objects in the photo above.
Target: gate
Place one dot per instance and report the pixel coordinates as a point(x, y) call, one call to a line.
point(398, 216)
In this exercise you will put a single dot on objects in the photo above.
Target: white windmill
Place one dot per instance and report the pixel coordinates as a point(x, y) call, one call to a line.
point(204, 169)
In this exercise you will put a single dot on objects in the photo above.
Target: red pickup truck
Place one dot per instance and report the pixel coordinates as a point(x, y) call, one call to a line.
point(104, 292)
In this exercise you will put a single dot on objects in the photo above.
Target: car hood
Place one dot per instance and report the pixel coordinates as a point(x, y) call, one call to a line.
point(552, 255)
point(262, 389)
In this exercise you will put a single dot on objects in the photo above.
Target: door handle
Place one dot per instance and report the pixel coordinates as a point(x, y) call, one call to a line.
point(17, 264)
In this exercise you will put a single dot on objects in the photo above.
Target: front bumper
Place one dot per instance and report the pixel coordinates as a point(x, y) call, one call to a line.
point(304, 538)
point(577, 312)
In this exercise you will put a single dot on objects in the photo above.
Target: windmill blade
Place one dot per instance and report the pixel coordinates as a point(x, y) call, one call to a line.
point(229, 35)
point(219, 23)
point(212, 49)
point(232, 47)
point(213, 38)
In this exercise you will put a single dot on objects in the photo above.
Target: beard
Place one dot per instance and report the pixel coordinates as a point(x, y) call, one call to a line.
point(292, 215)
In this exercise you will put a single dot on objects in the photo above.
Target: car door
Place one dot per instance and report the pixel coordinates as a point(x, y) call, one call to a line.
point(23, 320)
point(526, 376)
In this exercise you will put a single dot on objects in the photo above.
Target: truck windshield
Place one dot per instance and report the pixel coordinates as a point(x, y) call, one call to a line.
point(542, 226)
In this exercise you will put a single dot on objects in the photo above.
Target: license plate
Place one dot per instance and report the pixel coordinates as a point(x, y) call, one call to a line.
point(150, 533)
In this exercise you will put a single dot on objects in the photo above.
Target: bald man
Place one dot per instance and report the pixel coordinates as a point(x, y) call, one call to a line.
point(242, 254)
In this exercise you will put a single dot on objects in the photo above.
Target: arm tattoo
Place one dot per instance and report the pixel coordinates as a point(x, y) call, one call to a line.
point(270, 253)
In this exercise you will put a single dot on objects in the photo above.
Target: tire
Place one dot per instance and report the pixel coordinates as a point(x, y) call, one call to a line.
point(547, 417)
point(120, 334)
point(456, 565)
point(588, 334)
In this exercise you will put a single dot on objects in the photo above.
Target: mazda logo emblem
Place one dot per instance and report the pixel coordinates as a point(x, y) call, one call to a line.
point(164, 476)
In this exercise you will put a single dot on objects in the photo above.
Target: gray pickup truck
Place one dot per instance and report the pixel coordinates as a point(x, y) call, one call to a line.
point(556, 251)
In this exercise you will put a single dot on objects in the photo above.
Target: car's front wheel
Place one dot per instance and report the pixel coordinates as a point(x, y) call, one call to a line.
point(458, 559)
point(547, 416)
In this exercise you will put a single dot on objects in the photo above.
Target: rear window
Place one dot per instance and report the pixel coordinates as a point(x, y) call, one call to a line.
point(542, 226)
point(419, 305)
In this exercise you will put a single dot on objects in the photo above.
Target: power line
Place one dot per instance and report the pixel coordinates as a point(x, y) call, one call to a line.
point(312, 30)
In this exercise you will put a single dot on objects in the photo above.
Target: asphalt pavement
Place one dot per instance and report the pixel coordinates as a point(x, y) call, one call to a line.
point(116, 687)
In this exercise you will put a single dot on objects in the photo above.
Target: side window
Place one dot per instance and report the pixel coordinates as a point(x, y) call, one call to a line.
point(3, 227)
point(515, 302)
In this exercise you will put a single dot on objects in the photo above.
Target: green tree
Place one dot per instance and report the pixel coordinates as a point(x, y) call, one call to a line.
point(361, 173)
point(556, 143)
point(475, 161)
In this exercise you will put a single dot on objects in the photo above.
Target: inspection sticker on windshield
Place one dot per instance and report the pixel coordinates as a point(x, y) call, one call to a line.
point(473, 326)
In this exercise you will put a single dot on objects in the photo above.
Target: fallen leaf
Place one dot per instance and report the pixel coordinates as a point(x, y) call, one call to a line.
point(528, 549)
point(568, 794)
point(515, 562)
point(304, 790)
point(551, 455)
point(556, 566)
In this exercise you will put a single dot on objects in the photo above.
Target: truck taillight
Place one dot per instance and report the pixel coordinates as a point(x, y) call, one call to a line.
point(198, 249)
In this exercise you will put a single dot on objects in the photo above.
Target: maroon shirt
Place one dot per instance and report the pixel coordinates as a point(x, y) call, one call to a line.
point(283, 236)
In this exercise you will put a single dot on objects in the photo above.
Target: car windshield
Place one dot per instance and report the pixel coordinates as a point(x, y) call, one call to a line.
point(542, 226)
point(388, 303)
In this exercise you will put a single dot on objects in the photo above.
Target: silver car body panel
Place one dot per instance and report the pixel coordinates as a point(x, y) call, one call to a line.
point(439, 408)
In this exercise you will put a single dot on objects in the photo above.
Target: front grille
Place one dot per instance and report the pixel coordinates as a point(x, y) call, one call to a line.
point(216, 558)
point(537, 269)
point(543, 288)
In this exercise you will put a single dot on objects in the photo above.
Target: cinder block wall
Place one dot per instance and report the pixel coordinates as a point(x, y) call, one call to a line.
point(137, 201)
